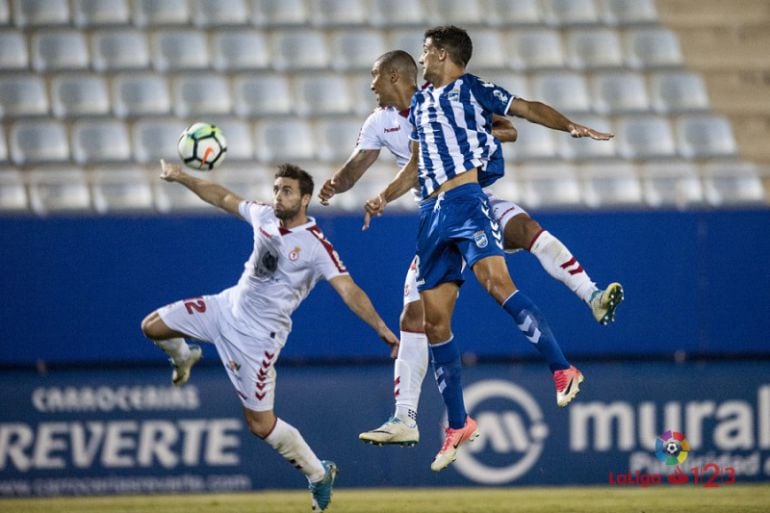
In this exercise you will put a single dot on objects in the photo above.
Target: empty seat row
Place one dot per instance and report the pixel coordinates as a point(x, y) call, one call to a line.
point(264, 94)
point(262, 13)
point(610, 184)
point(331, 140)
point(180, 49)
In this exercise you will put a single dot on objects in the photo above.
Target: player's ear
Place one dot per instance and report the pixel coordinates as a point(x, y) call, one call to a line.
point(305, 201)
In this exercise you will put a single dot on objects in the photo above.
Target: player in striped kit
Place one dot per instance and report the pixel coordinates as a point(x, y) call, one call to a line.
point(451, 150)
point(394, 77)
point(250, 322)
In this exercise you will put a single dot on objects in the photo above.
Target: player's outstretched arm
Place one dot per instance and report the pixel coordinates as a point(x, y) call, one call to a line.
point(542, 114)
point(405, 180)
point(209, 192)
point(359, 304)
point(347, 176)
point(503, 129)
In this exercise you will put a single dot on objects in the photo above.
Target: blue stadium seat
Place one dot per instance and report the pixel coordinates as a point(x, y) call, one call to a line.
point(60, 189)
point(74, 96)
point(22, 95)
point(356, 49)
point(124, 188)
point(179, 50)
point(39, 141)
point(594, 49)
point(13, 50)
point(239, 135)
point(285, 140)
point(140, 94)
point(339, 13)
point(299, 50)
point(488, 50)
point(678, 92)
point(321, 94)
point(198, 95)
point(114, 50)
point(336, 138)
point(514, 13)
point(236, 50)
point(732, 182)
point(611, 184)
point(156, 139)
point(566, 91)
point(645, 137)
point(13, 192)
point(94, 13)
point(568, 13)
point(409, 40)
point(261, 95)
point(705, 136)
point(57, 50)
point(161, 13)
point(397, 13)
point(629, 13)
point(455, 12)
point(38, 13)
point(586, 149)
point(535, 142)
point(100, 141)
point(217, 13)
point(549, 185)
point(535, 49)
point(671, 184)
point(623, 92)
point(280, 13)
point(652, 48)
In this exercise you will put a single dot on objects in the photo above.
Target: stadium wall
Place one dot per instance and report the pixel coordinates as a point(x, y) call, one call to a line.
point(128, 431)
point(75, 289)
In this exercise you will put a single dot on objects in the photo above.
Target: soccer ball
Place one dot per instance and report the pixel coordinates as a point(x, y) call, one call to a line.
point(202, 146)
point(672, 447)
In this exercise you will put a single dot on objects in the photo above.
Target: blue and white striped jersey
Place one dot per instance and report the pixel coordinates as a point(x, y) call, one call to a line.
point(453, 125)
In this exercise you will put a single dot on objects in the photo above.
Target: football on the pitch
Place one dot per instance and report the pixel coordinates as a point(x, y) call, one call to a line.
point(202, 146)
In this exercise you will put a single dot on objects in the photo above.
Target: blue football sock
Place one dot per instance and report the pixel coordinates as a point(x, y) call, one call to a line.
point(532, 323)
point(448, 371)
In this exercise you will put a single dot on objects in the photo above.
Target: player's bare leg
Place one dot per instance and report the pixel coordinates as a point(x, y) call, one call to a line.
point(181, 355)
point(408, 374)
point(523, 232)
point(289, 443)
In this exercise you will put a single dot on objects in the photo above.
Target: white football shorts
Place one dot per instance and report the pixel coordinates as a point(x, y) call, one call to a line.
point(248, 359)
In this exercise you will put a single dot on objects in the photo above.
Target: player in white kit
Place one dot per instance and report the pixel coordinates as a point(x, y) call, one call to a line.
point(394, 81)
point(250, 322)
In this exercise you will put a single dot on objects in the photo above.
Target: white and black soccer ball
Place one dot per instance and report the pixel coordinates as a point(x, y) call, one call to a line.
point(673, 447)
point(202, 146)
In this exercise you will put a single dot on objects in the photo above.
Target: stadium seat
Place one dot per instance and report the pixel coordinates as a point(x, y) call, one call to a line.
point(513, 13)
point(156, 139)
point(455, 12)
point(61, 189)
point(56, 50)
point(239, 135)
point(626, 13)
point(705, 136)
point(611, 184)
point(396, 13)
point(5, 12)
point(79, 95)
point(22, 95)
point(235, 50)
point(13, 51)
point(250, 181)
point(34, 142)
point(362, 96)
point(261, 95)
point(619, 93)
point(567, 13)
point(299, 49)
point(140, 94)
point(488, 51)
point(322, 94)
point(279, 13)
point(535, 142)
point(336, 13)
point(645, 137)
point(584, 148)
point(652, 48)
point(671, 184)
point(565, 91)
point(100, 141)
point(121, 189)
point(678, 92)
point(161, 12)
point(336, 138)
point(13, 192)
point(409, 40)
point(119, 50)
point(179, 50)
point(217, 13)
point(37, 13)
point(594, 49)
point(356, 49)
point(201, 95)
point(94, 13)
point(732, 183)
point(284, 140)
point(535, 49)
point(549, 185)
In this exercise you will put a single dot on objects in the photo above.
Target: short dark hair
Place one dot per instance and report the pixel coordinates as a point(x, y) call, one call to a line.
point(454, 40)
point(292, 171)
point(400, 61)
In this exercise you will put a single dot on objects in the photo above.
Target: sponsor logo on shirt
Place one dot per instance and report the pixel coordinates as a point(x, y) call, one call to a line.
point(394, 129)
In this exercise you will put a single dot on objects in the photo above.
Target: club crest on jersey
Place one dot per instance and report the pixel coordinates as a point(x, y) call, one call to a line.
point(500, 95)
point(294, 255)
point(234, 366)
point(480, 238)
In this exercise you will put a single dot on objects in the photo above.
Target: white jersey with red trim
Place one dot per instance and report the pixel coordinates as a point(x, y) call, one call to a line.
point(389, 128)
point(283, 268)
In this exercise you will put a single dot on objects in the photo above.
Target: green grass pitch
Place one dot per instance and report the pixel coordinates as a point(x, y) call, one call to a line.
point(661, 499)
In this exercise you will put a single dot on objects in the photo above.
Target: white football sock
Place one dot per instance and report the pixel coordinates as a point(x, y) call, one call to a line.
point(557, 260)
point(175, 348)
point(288, 441)
point(408, 374)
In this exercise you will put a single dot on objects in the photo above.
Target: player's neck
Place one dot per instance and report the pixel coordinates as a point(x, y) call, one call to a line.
point(448, 76)
point(295, 221)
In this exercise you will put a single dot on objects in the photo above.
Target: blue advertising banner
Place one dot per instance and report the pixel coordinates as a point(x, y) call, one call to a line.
point(634, 424)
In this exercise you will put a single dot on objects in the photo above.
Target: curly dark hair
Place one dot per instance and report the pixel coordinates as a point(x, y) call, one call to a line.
point(293, 171)
point(454, 40)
